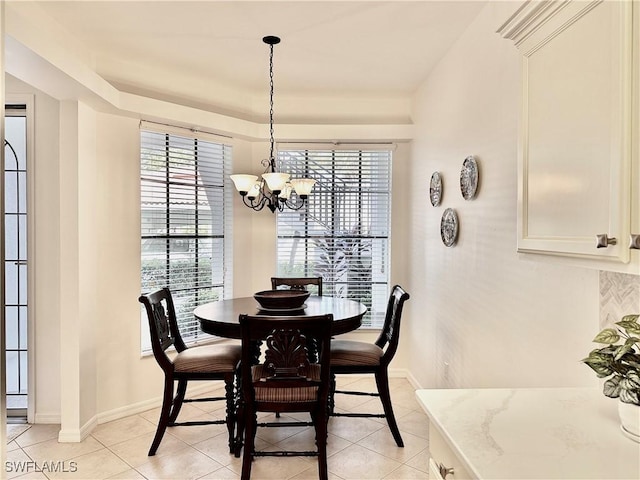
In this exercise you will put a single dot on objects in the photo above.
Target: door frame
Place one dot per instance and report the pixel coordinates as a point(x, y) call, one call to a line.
point(28, 101)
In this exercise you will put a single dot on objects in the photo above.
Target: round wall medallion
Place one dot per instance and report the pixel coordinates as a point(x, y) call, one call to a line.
point(435, 189)
point(469, 178)
point(449, 227)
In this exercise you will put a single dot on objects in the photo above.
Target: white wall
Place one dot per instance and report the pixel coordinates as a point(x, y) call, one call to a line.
point(123, 377)
point(496, 318)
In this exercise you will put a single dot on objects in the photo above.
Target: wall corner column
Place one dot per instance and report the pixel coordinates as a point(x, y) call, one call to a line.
point(78, 272)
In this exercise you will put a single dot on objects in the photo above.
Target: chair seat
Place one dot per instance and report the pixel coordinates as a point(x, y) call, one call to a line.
point(208, 359)
point(285, 395)
point(353, 352)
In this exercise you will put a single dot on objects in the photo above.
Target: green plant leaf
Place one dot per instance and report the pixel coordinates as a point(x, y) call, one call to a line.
point(626, 384)
point(628, 396)
point(602, 370)
point(635, 364)
point(622, 349)
point(632, 340)
point(611, 387)
point(608, 335)
point(609, 350)
point(600, 356)
point(631, 326)
point(633, 380)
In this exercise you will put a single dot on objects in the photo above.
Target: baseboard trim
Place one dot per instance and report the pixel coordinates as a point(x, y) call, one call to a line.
point(110, 415)
point(47, 418)
point(413, 381)
point(397, 372)
point(143, 406)
point(77, 435)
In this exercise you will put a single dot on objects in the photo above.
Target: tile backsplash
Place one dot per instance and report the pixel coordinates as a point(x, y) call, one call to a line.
point(619, 296)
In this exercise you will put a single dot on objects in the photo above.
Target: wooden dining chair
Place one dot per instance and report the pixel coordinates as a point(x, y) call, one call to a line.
point(356, 357)
point(287, 380)
point(207, 362)
point(298, 283)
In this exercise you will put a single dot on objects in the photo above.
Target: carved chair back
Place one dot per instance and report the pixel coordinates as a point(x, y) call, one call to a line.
point(390, 334)
point(163, 325)
point(287, 363)
point(297, 283)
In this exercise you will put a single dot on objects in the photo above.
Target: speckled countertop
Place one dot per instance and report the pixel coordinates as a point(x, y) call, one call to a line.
point(536, 433)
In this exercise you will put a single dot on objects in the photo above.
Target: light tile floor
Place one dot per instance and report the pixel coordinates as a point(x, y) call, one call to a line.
point(359, 448)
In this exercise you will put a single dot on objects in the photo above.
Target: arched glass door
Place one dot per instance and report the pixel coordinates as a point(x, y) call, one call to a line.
point(15, 218)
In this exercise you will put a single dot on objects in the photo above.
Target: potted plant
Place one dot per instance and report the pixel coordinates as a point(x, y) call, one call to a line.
point(619, 362)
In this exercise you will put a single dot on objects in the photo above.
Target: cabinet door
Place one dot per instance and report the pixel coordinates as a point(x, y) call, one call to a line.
point(574, 166)
point(444, 464)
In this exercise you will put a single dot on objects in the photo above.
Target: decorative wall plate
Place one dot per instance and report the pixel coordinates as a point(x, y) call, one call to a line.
point(469, 178)
point(435, 189)
point(449, 227)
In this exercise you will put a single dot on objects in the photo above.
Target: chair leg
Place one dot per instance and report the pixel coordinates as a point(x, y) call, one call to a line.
point(249, 444)
point(240, 416)
point(382, 381)
point(239, 440)
point(331, 403)
point(177, 401)
point(320, 422)
point(167, 400)
point(231, 410)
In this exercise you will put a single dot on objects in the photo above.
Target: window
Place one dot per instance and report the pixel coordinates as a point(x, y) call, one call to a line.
point(183, 217)
point(343, 234)
point(16, 310)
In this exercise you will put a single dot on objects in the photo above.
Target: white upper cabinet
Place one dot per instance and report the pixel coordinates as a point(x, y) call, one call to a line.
point(578, 133)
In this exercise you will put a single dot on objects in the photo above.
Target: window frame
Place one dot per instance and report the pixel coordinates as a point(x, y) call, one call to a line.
point(379, 288)
point(26, 103)
point(199, 190)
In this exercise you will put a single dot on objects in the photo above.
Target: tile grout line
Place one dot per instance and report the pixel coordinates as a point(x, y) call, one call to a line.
point(226, 467)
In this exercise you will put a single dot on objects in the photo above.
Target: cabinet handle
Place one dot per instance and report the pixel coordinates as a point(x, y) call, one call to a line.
point(445, 471)
point(634, 241)
point(603, 241)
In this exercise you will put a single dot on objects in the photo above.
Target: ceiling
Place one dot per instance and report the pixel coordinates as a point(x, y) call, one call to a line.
point(187, 49)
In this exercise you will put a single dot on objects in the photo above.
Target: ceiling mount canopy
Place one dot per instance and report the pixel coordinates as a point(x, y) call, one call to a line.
point(274, 190)
point(271, 40)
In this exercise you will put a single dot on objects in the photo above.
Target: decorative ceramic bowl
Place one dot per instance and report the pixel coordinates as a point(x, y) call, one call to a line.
point(281, 299)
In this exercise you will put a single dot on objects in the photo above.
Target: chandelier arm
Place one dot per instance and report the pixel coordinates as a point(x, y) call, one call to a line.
point(257, 206)
point(294, 206)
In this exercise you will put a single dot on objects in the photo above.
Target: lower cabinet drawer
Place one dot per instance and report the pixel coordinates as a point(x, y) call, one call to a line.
point(444, 464)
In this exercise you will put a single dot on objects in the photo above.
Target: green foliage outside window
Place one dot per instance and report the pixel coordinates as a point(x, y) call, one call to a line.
point(154, 275)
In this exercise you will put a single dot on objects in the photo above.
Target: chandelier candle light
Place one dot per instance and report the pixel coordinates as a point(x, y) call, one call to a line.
point(275, 189)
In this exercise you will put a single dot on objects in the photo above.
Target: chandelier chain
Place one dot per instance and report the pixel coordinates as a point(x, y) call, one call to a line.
point(271, 157)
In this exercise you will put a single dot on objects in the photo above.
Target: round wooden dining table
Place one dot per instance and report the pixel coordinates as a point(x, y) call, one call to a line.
point(221, 318)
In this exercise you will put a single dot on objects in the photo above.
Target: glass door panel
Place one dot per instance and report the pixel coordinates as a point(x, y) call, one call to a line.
point(15, 220)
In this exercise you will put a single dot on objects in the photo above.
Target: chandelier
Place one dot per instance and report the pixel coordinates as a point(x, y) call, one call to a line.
point(275, 189)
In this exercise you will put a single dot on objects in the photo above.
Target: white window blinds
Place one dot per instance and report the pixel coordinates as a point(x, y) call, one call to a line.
point(343, 234)
point(183, 220)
